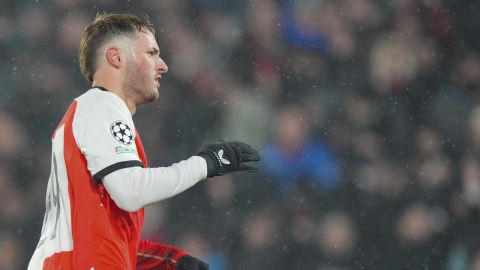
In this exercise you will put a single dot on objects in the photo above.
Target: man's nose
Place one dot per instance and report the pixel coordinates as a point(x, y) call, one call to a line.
point(162, 66)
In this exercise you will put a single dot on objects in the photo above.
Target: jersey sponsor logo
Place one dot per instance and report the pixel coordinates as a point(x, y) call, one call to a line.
point(223, 160)
point(121, 132)
point(124, 150)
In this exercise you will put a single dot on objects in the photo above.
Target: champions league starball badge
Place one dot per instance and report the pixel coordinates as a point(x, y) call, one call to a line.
point(121, 132)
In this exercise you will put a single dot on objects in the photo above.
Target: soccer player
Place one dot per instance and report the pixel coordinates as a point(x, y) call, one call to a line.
point(100, 180)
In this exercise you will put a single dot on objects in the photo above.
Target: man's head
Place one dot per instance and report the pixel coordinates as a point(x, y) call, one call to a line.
point(122, 46)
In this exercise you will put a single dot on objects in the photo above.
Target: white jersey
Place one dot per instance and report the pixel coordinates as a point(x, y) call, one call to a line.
point(95, 137)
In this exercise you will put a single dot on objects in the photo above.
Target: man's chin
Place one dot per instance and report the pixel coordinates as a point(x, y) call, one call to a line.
point(153, 95)
point(157, 92)
point(150, 96)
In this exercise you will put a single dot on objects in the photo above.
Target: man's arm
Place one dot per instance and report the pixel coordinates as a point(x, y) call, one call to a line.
point(135, 187)
point(157, 256)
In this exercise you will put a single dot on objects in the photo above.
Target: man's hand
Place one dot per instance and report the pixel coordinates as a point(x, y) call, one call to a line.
point(226, 157)
point(191, 263)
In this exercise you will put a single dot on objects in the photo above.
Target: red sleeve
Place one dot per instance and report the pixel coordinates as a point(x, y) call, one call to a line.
point(157, 256)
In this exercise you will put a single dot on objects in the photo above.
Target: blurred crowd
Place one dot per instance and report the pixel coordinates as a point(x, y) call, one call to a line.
point(366, 112)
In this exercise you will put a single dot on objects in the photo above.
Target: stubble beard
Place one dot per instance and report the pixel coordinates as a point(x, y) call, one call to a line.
point(136, 85)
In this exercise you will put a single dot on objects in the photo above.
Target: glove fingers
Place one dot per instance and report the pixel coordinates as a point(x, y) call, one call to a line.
point(250, 157)
point(244, 148)
point(244, 167)
point(247, 152)
point(190, 263)
point(202, 266)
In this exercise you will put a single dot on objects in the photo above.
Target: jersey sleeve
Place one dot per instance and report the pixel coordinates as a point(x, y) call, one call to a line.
point(104, 131)
point(152, 255)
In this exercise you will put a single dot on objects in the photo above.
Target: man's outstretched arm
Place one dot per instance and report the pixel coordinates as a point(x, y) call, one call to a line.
point(134, 188)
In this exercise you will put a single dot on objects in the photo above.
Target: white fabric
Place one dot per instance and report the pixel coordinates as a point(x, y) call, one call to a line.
point(95, 114)
point(133, 188)
point(56, 233)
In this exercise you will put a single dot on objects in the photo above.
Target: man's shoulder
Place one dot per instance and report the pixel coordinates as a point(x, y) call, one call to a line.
point(96, 104)
point(96, 99)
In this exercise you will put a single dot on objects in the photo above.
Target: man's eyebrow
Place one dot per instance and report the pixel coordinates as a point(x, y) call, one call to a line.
point(155, 50)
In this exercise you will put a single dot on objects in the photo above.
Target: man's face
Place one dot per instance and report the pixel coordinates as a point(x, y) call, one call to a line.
point(144, 68)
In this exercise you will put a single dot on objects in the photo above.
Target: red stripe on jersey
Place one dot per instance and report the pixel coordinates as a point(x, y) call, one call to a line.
point(153, 255)
point(104, 236)
point(140, 149)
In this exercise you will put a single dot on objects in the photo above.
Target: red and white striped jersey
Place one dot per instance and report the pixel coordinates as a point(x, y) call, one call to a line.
point(83, 228)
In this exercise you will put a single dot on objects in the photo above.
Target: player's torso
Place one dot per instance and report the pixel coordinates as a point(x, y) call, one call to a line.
point(83, 227)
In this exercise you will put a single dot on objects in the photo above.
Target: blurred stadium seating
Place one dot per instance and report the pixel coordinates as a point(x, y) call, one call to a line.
point(367, 113)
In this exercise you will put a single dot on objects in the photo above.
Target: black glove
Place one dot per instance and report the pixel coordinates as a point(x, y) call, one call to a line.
point(191, 263)
point(225, 157)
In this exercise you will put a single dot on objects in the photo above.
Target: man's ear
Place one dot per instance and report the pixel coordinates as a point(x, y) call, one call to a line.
point(113, 57)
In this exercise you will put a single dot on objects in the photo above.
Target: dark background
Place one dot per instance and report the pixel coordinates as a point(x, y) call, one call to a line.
point(366, 113)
